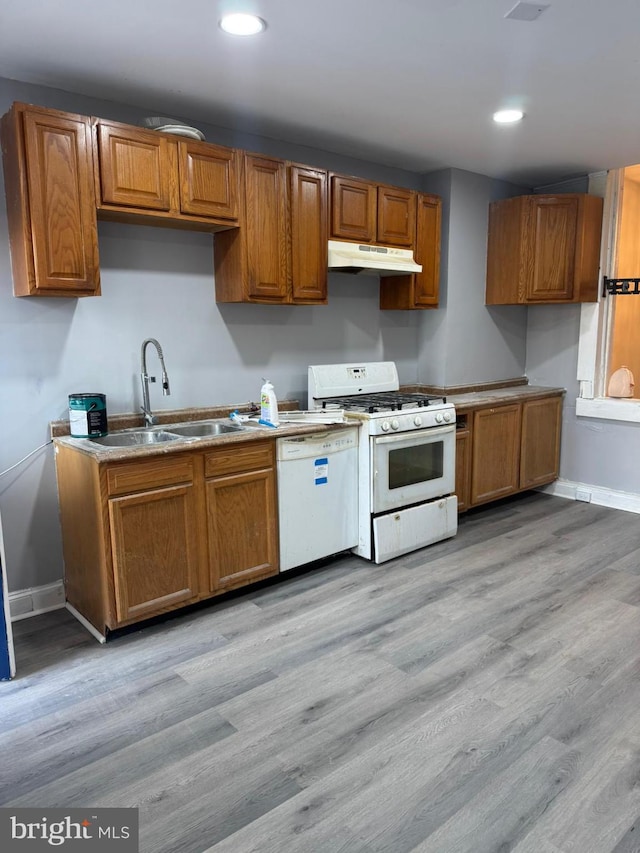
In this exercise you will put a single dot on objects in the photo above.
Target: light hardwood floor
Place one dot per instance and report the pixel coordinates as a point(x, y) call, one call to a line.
point(479, 695)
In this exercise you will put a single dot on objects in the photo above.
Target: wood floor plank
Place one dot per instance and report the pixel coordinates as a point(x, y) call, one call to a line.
point(500, 815)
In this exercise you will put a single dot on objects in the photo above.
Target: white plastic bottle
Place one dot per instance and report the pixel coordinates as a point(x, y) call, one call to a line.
point(268, 403)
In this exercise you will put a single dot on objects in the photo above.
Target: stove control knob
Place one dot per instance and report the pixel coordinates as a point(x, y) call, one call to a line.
point(439, 418)
point(385, 426)
point(447, 416)
point(417, 420)
point(395, 424)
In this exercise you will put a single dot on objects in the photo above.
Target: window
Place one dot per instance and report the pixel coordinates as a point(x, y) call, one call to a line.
point(609, 329)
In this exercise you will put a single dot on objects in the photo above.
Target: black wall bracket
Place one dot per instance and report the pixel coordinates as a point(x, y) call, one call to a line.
point(621, 286)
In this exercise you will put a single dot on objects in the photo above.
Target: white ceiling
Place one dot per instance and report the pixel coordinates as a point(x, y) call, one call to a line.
point(408, 83)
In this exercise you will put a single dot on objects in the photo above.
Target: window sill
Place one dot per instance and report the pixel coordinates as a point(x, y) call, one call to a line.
point(609, 409)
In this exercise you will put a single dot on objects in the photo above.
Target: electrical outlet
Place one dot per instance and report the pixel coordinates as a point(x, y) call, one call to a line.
point(583, 495)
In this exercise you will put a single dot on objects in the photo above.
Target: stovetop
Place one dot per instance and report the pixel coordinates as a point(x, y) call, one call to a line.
point(382, 402)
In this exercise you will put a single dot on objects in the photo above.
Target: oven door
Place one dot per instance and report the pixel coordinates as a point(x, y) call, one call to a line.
point(412, 467)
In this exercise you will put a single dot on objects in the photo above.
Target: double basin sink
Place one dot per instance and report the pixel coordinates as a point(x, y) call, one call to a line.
point(161, 434)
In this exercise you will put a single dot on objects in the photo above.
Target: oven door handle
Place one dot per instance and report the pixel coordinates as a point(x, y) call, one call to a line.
point(431, 432)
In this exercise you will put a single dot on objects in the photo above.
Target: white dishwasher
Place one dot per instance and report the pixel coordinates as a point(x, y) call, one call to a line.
point(317, 495)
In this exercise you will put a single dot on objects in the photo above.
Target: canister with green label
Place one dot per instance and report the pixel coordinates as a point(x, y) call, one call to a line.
point(87, 415)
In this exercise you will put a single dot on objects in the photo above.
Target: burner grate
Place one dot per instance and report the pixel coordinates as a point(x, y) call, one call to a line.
point(390, 401)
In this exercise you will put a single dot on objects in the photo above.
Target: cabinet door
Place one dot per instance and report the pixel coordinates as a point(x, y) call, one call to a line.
point(136, 167)
point(496, 452)
point(309, 234)
point(540, 442)
point(396, 216)
point(208, 180)
point(54, 245)
point(353, 209)
point(463, 468)
point(427, 251)
point(505, 271)
point(242, 528)
point(422, 289)
point(551, 247)
point(155, 551)
point(266, 227)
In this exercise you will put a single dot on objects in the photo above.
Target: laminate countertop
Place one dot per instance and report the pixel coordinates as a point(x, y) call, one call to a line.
point(106, 454)
point(502, 396)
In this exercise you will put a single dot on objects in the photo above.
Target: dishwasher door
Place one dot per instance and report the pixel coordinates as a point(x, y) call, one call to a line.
point(317, 495)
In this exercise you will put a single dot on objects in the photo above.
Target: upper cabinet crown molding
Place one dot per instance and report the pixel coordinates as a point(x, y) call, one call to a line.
point(544, 249)
point(51, 208)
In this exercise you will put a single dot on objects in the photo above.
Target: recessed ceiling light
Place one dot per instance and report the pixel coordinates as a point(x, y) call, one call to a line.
point(508, 116)
point(241, 24)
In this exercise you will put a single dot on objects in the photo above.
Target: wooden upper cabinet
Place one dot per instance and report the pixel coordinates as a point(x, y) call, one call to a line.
point(363, 212)
point(396, 216)
point(420, 290)
point(50, 202)
point(549, 248)
point(544, 249)
point(265, 186)
point(166, 179)
point(208, 179)
point(135, 167)
point(309, 234)
point(354, 209)
point(279, 253)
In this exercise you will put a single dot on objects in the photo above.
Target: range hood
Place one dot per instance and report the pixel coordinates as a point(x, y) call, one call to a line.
point(362, 258)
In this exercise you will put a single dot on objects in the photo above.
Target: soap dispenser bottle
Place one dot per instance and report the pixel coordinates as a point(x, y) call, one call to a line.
point(268, 403)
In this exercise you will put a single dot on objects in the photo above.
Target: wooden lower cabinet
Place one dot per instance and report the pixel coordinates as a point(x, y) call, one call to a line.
point(505, 449)
point(496, 453)
point(154, 551)
point(241, 516)
point(144, 537)
point(540, 442)
point(463, 466)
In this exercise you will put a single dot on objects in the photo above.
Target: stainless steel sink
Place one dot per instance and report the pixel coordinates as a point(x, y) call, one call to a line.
point(135, 438)
point(201, 429)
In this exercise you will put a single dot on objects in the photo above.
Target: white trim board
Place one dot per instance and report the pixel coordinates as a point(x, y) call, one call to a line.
point(627, 501)
point(608, 408)
point(35, 600)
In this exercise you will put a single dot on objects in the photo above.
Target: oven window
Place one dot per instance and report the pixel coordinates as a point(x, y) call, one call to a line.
point(417, 464)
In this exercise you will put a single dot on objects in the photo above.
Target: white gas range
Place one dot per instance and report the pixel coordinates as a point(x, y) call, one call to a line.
point(406, 465)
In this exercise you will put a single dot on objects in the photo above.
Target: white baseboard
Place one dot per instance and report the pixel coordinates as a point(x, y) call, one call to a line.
point(38, 599)
point(628, 501)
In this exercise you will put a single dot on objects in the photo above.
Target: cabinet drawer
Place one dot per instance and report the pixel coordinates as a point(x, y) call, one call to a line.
point(135, 476)
point(231, 460)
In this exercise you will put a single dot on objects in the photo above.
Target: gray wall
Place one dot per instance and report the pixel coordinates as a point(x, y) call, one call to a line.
point(600, 453)
point(467, 341)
